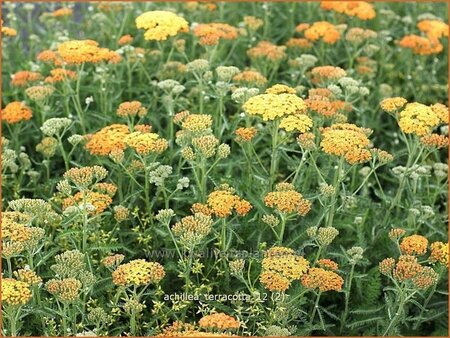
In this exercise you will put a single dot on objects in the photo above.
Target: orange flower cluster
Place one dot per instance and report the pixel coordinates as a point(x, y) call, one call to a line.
point(107, 139)
point(15, 112)
point(245, 134)
point(50, 56)
point(211, 33)
point(60, 75)
point(323, 30)
point(250, 77)
point(62, 12)
point(328, 264)
point(325, 74)
point(318, 278)
point(267, 50)
point(414, 245)
point(348, 140)
point(421, 45)
point(98, 200)
point(286, 200)
point(125, 40)
point(24, 78)
point(434, 29)
point(299, 43)
point(322, 103)
point(223, 201)
point(131, 109)
point(219, 321)
point(434, 141)
point(280, 267)
point(86, 51)
point(361, 9)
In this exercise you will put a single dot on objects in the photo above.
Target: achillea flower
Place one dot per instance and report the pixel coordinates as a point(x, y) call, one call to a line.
point(245, 134)
point(434, 141)
point(267, 51)
point(441, 111)
point(61, 75)
point(8, 31)
point(138, 272)
point(125, 40)
point(434, 29)
point(67, 289)
point(211, 33)
point(99, 201)
point(105, 188)
point(281, 266)
point(28, 276)
point(381, 155)
point(160, 25)
point(193, 229)
point(113, 261)
point(318, 278)
point(324, 106)
point(418, 118)
point(223, 201)
point(250, 77)
point(219, 321)
point(133, 108)
point(50, 56)
point(121, 213)
point(386, 266)
point(300, 123)
point(299, 43)
point(344, 139)
point(406, 268)
point(358, 156)
point(439, 253)
point(425, 278)
point(271, 106)
point(396, 233)
point(206, 146)
point(393, 104)
point(328, 264)
point(322, 30)
point(307, 141)
point(85, 51)
point(324, 74)
point(47, 146)
point(361, 9)
point(421, 45)
point(62, 12)
point(326, 235)
point(15, 112)
point(39, 93)
point(14, 292)
point(196, 123)
point(414, 245)
point(85, 176)
point(24, 78)
point(359, 35)
point(286, 200)
point(108, 139)
point(253, 23)
point(146, 143)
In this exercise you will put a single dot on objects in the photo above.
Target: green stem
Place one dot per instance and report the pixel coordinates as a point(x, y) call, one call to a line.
point(347, 298)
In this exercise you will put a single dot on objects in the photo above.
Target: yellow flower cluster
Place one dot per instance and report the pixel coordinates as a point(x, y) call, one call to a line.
point(301, 123)
point(14, 292)
point(418, 119)
point(138, 272)
point(223, 201)
point(146, 143)
point(281, 266)
point(286, 200)
point(318, 278)
point(439, 253)
point(271, 106)
point(85, 51)
point(393, 104)
point(160, 25)
point(219, 321)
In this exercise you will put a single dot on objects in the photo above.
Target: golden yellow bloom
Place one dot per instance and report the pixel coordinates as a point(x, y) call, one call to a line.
point(322, 30)
point(439, 253)
point(138, 272)
point(434, 29)
point(108, 139)
point(205, 145)
point(146, 143)
point(414, 245)
point(318, 278)
point(8, 31)
point(301, 123)
point(361, 9)
point(15, 292)
point(132, 108)
point(197, 122)
point(418, 118)
point(285, 199)
point(280, 89)
point(223, 201)
point(219, 321)
point(393, 104)
point(281, 266)
point(441, 111)
point(245, 134)
point(211, 33)
point(15, 112)
point(98, 200)
point(271, 106)
point(24, 78)
point(85, 51)
point(159, 25)
point(267, 50)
